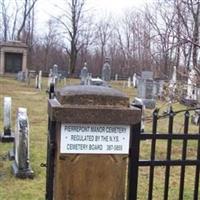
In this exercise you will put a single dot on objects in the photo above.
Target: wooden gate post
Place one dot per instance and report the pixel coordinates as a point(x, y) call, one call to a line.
point(92, 128)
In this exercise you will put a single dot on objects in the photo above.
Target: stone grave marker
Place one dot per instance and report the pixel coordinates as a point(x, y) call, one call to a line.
point(7, 135)
point(116, 77)
point(106, 71)
point(40, 80)
point(129, 82)
point(84, 75)
point(134, 80)
point(21, 167)
point(145, 90)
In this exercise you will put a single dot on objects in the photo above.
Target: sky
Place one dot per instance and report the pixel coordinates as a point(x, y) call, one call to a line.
point(46, 8)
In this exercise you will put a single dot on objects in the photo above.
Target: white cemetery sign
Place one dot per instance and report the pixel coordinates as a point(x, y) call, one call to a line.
point(94, 139)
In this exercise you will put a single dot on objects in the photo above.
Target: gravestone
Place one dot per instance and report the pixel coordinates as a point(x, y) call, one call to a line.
point(31, 74)
point(116, 77)
point(36, 81)
point(172, 85)
point(84, 75)
point(91, 128)
point(7, 135)
point(21, 76)
point(40, 80)
point(145, 90)
point(134, 80)
point(129, 82)
point(55, 74)
point(21, 167)
point(191, 85)
point(106, 71)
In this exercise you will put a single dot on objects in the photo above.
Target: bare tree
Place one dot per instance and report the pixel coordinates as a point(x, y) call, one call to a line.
point(72, 21)
point(28, 6)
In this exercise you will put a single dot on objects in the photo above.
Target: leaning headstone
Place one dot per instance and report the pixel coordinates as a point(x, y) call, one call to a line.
point(106, 71)
point(21, 166)
point(84, 75)
point(7, 135)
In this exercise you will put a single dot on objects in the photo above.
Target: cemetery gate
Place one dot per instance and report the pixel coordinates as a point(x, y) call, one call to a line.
point(184, 186)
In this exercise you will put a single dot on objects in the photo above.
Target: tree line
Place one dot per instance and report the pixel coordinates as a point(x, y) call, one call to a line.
point(162, 34)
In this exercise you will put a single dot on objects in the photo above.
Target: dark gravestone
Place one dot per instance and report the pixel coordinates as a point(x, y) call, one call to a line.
point(106, 71)
point(146, 91)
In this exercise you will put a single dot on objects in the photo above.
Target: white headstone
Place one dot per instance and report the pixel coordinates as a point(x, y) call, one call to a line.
point(40, 80)
point(129, 82)
point(36, 81)
point(191, 86)
point(134, 80)
point(116, 77)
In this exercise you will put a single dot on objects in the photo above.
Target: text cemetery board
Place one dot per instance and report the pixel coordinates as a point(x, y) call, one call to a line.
point(94, 139)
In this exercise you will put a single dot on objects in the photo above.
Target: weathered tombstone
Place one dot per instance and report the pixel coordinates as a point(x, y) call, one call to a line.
point(91, 128)
point(145, 90)
point(106, 71)
point(116, 77)
point(172, 84)
point(30, 75)
point(191, 86)
point(129, 82)
point(36, 81)
point(7, 135)
point(55, 74)
point(40, 80)
point(84, 75)
point(134, 80)
point(21, 166)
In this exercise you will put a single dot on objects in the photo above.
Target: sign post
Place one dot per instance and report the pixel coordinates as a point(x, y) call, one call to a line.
point(91, 134)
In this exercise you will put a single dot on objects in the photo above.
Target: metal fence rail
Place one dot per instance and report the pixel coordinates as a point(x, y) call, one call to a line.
point(168, 162)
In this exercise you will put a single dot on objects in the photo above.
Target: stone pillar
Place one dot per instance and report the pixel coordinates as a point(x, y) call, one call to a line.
point(21, 166)
point(24, 61)
point(89, 135)
point(7, 135)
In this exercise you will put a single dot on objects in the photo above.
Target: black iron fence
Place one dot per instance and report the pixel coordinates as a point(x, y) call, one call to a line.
point(169, 162)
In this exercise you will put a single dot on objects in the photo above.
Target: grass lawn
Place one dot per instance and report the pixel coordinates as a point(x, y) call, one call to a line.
point(36, 103)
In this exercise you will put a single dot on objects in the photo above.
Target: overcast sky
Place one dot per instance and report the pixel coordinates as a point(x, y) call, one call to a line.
point(46, 8)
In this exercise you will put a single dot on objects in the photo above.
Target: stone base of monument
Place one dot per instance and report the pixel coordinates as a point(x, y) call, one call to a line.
point(148, 103)
point(22, 173)
point(7, 138)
